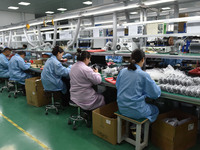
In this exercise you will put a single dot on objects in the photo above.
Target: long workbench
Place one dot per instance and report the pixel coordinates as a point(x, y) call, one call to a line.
point(171, 96)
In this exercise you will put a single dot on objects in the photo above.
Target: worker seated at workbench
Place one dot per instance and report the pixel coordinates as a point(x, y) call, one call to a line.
point(172, 62)
point(133, 87)
point(4, 73)
point(52, 75)
point(115, 59)
point(82, 79)
point(17, 68)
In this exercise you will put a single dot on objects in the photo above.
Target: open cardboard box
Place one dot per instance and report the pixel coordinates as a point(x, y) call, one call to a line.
point(105, 122)
point(168, 137)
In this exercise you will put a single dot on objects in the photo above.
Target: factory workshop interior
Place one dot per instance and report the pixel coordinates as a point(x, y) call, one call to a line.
point(99, 74)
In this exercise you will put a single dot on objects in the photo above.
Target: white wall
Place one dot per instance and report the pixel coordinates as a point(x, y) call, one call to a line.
point(7, 18)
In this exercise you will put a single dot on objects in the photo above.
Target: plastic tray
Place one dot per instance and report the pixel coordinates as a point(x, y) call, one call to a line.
point(195, 72)
point(110, 79)
point(96, 50)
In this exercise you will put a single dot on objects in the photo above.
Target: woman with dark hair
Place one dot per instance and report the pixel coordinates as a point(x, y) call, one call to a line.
point(82, 78)
point(53, 72)
point(133, 86)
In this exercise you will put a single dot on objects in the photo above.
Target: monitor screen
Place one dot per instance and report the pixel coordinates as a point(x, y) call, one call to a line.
point(99, 60)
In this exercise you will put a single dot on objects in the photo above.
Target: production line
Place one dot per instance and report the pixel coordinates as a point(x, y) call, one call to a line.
point(117, 75)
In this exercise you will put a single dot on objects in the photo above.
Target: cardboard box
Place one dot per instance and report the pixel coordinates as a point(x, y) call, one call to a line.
point(105, 122)
point(35, 94)
point(168, 137)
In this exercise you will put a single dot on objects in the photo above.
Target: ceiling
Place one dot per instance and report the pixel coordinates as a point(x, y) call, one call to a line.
point(39, 7)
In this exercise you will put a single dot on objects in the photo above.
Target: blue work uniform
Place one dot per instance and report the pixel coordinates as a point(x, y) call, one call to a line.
point(67, 55)
point(171, 62)
point(28, 55)
point(116, 59)
point(4, 73)
point(17, 66)
point(52, 75)
point(132, 89)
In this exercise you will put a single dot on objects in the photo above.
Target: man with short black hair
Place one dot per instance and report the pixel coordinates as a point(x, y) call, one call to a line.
point(4, 73)
point(17, 68)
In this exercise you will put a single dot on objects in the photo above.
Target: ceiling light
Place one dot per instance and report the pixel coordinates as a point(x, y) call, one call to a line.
point(13, 7)
point(104, 22)
point(166, 8)
point(110, 10)
point(133, 13)
point(24, 3)
point(49, 12)
point(87, 3)
point(61, 9)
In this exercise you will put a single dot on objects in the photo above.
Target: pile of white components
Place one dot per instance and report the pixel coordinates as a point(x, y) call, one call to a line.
point(176, 81)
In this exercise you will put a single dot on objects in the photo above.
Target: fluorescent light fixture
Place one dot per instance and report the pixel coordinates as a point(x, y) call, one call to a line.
point(87, 3)
point(133, 13)
point(166, 8)
point(104, 22)
point(65, 18)
point(110, 10)
point(61, 9)
point(13, 7)
point(173, 20)
point(13, 28)
point(49, 12)
point(24, 3)
point(158, 2)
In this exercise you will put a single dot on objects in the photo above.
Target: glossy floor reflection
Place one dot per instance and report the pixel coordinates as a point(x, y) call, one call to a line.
point(51, 131)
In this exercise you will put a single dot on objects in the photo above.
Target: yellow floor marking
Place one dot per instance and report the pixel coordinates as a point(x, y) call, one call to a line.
point(26, 133)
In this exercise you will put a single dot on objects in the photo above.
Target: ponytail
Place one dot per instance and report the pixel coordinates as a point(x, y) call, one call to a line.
point(82, 55)
point(132, 65)
point(136, 56)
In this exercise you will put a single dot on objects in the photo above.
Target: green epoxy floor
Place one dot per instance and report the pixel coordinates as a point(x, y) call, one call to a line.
point(52, 130)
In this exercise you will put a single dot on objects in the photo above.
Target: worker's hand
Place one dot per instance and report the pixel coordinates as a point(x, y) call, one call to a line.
point(95, 70)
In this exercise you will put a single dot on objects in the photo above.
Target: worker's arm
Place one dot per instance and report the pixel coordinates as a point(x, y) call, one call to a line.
point(94, 77)
point(4, 63)
point(60, 70)
point(24, 66)
point(150, 88)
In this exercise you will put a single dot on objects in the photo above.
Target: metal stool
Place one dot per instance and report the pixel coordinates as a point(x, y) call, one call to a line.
point(138, 122)
point(53, 105)
point(5, 86)
point(16, 89)
point(77, 117)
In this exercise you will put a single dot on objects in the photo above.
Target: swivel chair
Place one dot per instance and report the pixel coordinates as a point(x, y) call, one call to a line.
point(6, 86)
point(53, 105)
point(16, 89)
point(78, 117)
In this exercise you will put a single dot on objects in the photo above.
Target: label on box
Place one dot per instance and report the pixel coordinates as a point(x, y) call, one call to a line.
point(33, 93)
point(108, 121)
point(190, 127)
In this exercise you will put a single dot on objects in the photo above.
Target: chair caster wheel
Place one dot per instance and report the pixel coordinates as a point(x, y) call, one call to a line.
point(57, 113)
point(69, 122)
point(46, 113)
point(9, 96)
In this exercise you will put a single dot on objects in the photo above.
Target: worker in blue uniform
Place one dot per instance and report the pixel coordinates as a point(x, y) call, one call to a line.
point(54, 71)
point(17, 68)
point(172, 62)
point(4, 73)
point(133, 87)
point(28, 54)
point(67, 55)
point(116, 59)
